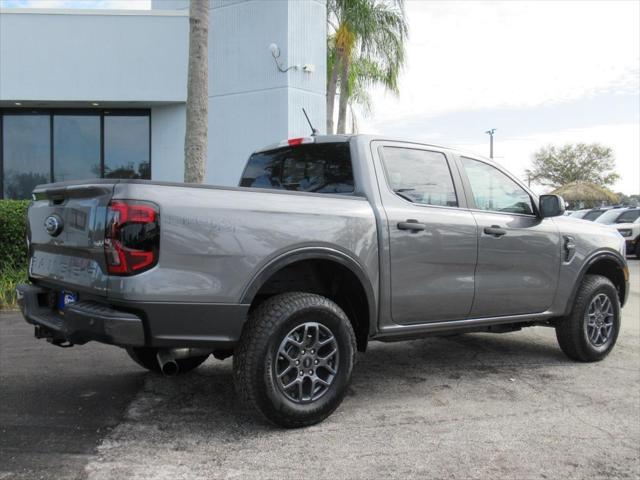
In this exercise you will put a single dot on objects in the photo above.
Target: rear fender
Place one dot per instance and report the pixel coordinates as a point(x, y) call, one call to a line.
point(314, 253)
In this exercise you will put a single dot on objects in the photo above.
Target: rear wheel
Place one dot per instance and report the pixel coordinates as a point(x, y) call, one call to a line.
point(294, 360)
point(147, 358)
point(590, 331)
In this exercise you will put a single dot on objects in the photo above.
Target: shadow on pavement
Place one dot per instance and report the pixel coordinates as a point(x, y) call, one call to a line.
point(383, 370)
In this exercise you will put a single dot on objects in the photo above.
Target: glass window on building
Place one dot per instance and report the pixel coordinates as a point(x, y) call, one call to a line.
point(76, 147)
point(126, 146)
point(26, 154)
point(60, 145)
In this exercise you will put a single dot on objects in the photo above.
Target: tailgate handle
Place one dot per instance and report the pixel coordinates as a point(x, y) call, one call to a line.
point(495, 230)
point(412, 225)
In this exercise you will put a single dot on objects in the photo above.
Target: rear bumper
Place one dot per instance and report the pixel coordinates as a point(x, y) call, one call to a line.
point(81, 322)
point(129, 323)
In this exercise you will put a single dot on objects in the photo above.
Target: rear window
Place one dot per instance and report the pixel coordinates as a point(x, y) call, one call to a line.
point(320, 168)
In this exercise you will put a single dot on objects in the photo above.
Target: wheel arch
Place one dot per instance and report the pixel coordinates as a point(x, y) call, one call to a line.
point(320, 270)
point(608, 264)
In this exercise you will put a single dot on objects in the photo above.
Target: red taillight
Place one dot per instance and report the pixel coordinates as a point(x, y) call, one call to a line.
point(295, 141)
point(132, 237)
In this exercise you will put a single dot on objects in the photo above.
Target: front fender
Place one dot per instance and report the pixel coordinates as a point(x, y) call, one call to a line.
point(604, 255)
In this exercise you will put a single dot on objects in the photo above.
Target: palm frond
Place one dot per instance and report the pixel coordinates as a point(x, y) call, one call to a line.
point(368, 37)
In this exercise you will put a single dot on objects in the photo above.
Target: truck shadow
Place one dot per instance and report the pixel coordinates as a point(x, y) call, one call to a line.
point(482, 365)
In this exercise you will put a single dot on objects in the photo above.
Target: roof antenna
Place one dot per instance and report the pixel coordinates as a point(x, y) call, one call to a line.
point(314, 132)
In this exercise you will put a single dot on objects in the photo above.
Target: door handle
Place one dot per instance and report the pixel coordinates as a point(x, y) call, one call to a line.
point(495, 230)
point(412, 225)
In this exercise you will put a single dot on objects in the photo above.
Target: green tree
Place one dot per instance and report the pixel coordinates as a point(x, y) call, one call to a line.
point(631, 200)
point(556, 166)
point(365, 48)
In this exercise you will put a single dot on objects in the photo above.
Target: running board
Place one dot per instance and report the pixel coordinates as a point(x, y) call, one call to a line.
point(401, 332)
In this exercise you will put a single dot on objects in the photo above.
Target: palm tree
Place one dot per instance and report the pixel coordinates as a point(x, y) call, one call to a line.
point(195, 141)
point(365, 48)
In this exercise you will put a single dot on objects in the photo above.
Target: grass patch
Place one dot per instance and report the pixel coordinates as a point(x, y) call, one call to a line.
point(9, 280)
point(13, 249)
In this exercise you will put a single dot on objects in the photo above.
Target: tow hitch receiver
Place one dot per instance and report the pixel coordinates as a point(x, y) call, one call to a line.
point(50, 336)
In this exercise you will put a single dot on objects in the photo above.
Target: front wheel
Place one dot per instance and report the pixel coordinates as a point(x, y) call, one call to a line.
point(294, 359)
point(590, 331)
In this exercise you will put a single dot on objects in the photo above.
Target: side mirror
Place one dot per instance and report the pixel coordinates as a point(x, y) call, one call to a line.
point(551, 206)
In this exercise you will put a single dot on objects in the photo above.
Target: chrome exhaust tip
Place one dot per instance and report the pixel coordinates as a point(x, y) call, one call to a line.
point(167, 363)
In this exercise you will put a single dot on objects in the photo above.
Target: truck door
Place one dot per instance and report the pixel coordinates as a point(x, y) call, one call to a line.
point(518, 253)
point(432, 237)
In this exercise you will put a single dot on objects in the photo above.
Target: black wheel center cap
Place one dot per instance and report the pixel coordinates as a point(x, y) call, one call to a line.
point(306, 363)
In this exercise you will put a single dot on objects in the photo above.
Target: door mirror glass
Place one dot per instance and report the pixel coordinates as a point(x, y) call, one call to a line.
point(551, 206)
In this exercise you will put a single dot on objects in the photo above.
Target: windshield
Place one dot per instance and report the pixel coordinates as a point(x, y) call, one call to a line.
point(609, 217)
point(579, 213)
point(593, 214)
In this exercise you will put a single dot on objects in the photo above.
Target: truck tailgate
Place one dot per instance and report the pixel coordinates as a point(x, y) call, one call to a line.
point(66, 235)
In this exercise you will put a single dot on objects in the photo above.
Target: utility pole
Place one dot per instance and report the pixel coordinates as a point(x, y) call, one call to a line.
point(491, 132)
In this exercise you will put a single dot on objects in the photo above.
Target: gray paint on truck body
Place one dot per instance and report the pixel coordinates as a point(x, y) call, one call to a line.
point(219, 244)
point(214, 241)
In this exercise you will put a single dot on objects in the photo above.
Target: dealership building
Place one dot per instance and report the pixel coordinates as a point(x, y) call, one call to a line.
point(101, 93)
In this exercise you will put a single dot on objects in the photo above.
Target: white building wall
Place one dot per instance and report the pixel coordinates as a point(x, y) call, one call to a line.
point(168, 123)
point(252, 103)
point(139, 60)
point(90, 55)
point(307, 37)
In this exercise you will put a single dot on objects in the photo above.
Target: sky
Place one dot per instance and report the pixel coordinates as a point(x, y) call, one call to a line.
point(539, 72)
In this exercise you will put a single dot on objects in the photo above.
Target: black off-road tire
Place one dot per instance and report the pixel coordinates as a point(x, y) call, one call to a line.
point(146, 358)
point(255, 357)
point(571, 331)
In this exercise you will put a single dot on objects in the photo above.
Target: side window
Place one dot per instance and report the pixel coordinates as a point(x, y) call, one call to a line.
point(419, 176)
point(494, 191)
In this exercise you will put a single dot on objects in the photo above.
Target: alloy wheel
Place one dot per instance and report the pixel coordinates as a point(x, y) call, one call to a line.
point(307, 362)
point(600, 316)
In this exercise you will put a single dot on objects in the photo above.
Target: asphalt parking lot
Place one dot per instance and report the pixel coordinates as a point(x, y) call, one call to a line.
point(469, 406)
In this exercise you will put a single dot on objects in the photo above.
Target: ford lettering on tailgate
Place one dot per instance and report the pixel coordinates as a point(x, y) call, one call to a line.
point(73, 270)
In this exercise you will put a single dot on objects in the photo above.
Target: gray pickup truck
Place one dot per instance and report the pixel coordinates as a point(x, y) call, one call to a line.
point(328, 243)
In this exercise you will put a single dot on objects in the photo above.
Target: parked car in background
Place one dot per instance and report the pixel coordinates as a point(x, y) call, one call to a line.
point(619, 215)
point(631, 234)
point(579, 213)
point(594, 213)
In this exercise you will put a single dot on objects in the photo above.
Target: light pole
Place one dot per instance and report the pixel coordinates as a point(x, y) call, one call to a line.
point(491, 132)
